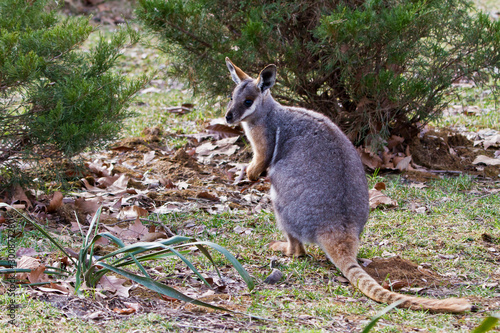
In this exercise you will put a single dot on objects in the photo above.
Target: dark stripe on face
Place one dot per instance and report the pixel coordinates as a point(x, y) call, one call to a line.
point(244, 84)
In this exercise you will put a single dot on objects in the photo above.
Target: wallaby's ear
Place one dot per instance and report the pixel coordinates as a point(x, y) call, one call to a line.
point(267, 78)
point(236, 73)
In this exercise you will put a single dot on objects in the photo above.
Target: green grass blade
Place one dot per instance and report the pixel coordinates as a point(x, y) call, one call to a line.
point(14, 270)
point(151, 256)
point(45, 233)
point(150, 246)
point(169, 291)
point(244, 274)
point(160, 288)
point(95, 221)
point(7, 263)
point(57, 269)
point(27, 270)
point(487, 324)
point(155, 256)
point(190, 265)
point(209, 256)
point(380, 314)
point(122, 245)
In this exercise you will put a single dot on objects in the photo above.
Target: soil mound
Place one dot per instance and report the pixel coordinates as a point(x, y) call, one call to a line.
point(397, 269)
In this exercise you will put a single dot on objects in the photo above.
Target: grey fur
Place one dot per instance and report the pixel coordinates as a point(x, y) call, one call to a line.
point(316, 174)
point(319, 189)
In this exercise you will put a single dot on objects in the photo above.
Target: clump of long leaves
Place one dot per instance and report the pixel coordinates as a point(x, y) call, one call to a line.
point(90, 269)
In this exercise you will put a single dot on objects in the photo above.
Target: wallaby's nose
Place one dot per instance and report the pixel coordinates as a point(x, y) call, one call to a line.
point(229, 117)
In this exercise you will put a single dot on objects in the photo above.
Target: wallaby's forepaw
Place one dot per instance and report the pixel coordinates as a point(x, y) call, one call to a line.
point(252, 172)
point(297, 251)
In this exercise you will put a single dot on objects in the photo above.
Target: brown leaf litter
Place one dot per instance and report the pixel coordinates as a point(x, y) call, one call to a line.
point(435, 152)
point(140, 176)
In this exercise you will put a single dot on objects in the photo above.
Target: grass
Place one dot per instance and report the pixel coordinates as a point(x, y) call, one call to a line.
point(308, 299)
point(483, 99)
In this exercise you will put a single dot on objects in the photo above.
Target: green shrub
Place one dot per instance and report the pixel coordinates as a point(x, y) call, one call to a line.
point(56, 100)
point(376, 67)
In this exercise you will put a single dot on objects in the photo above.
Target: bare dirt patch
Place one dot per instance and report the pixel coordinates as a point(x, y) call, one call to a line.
point(449, 151)
point(398, 269)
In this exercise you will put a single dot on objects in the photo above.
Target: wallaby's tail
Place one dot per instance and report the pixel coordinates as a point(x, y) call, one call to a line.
point(342, 251)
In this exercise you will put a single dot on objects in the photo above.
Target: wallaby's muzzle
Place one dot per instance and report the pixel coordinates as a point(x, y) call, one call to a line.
point(229, 117)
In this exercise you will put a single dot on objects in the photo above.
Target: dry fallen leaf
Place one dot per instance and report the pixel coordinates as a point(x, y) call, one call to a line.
point(206, 195)
point(221, 147)
point(114, 285)
point(99, 168)
point(221, 131)
point(394, 140)
point(242, 230)
point(28, 262)
point(492, 141)
point(378, 198)
point(481, 159)
point(134, 232)
point(20, 197)
point(148, 157)
point(57, 288)
point(369, 159)
point(56, 202)
point(37, 275)
point(404, 164)
point(126, 311)
point(153, 236)
point(418, 185)
point(181, 185)
point(395, 285)
point(87, 206)
point(170, 299)
point(131, 212)
point(23, 251)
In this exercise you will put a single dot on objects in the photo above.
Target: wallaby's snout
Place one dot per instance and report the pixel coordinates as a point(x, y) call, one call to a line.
point(229, 117)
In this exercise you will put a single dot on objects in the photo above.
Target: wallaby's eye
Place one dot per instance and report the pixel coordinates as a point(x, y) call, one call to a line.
point(248, 102)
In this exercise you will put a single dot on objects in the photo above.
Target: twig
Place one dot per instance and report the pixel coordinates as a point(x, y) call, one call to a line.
point(482, 196)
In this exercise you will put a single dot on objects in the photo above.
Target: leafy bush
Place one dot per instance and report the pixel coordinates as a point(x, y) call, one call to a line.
point(55, 99)
point(375, 67)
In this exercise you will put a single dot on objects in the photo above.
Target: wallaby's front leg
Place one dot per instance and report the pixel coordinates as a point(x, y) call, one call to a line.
point(256, 167)
point(293, 247)
point(260, 148)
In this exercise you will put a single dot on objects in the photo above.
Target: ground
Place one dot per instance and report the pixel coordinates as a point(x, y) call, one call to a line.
point(178, 171)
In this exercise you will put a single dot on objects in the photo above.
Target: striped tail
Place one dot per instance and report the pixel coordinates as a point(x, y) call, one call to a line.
point(342, 252)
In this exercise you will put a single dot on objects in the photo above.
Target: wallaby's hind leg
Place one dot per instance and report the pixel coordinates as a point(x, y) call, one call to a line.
point(293, 247)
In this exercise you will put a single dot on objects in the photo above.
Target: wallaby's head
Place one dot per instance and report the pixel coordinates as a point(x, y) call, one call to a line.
point(248, 94)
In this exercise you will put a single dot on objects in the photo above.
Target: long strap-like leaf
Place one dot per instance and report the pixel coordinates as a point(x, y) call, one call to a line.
point(168, 291)
point(45, 233)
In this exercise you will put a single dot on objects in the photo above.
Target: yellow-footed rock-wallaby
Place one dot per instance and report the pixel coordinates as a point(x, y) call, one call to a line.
point(318, 185)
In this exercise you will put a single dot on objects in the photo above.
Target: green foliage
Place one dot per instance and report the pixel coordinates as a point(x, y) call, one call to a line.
point(488, 324)
point(375, 67)
point(90, 270)
point(379, 315)
point(56, 99)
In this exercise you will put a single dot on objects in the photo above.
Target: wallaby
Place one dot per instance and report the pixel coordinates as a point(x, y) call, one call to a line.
point(318, 185)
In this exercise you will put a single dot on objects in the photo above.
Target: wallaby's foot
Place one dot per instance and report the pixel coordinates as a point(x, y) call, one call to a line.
point(295, 249)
